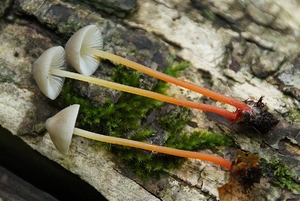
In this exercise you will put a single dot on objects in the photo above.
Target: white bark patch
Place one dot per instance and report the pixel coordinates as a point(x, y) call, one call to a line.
point(14, 104)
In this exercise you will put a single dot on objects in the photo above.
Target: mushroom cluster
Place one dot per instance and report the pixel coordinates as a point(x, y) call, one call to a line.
point(83, 52)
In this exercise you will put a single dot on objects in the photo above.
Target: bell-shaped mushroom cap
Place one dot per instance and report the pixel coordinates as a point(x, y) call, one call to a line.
point(61, 126)
point(53, 58)
point(88, 36)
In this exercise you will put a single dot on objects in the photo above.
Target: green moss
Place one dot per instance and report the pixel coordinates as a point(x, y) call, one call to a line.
point(208, 15)
point(174, 71)
point(6, 75)
point(162, 87)
point(123, 119)
point(112, 119)
point(295, 115)
point(148, 164)
point(198, 140)
point(131, 78)
point(280, 174)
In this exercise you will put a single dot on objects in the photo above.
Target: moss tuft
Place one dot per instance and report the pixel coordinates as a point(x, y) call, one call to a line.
point(175, 70)
point(295, 115)
point(199, 140)
point(208, 15)
point(125, 119)
point(161, 86)
point(280, 174)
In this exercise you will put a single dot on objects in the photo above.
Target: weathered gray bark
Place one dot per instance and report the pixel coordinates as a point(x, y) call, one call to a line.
point(249, 49)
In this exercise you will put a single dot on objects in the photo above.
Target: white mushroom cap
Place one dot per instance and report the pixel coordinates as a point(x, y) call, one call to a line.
point(61, 126)
point(53, 58)
point(88, 36)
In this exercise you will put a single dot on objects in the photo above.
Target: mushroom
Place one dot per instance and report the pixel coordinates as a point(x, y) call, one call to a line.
point(49, 73)
point(84, 46)
point(88, 36)
point(53, 58)
point(61, 127)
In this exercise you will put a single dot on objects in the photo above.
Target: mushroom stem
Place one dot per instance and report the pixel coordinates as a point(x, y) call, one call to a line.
point(149, 94)
point(61, 128)
point(150, 147)
point(206, 92)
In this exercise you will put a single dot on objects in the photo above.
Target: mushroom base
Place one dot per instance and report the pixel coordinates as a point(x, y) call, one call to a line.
point(260, 119)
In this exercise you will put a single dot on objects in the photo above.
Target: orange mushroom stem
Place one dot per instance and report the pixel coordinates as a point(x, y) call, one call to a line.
point(61, 128)
point(150, 147)
point(210, 108)
point(49, 73)
point(167, 78)
point(83, 51)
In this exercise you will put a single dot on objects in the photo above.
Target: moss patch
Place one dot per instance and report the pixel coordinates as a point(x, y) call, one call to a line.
point(208, 15)
point(295, 115)
point(143, 119)
point(198, 140)
point(280, 174)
